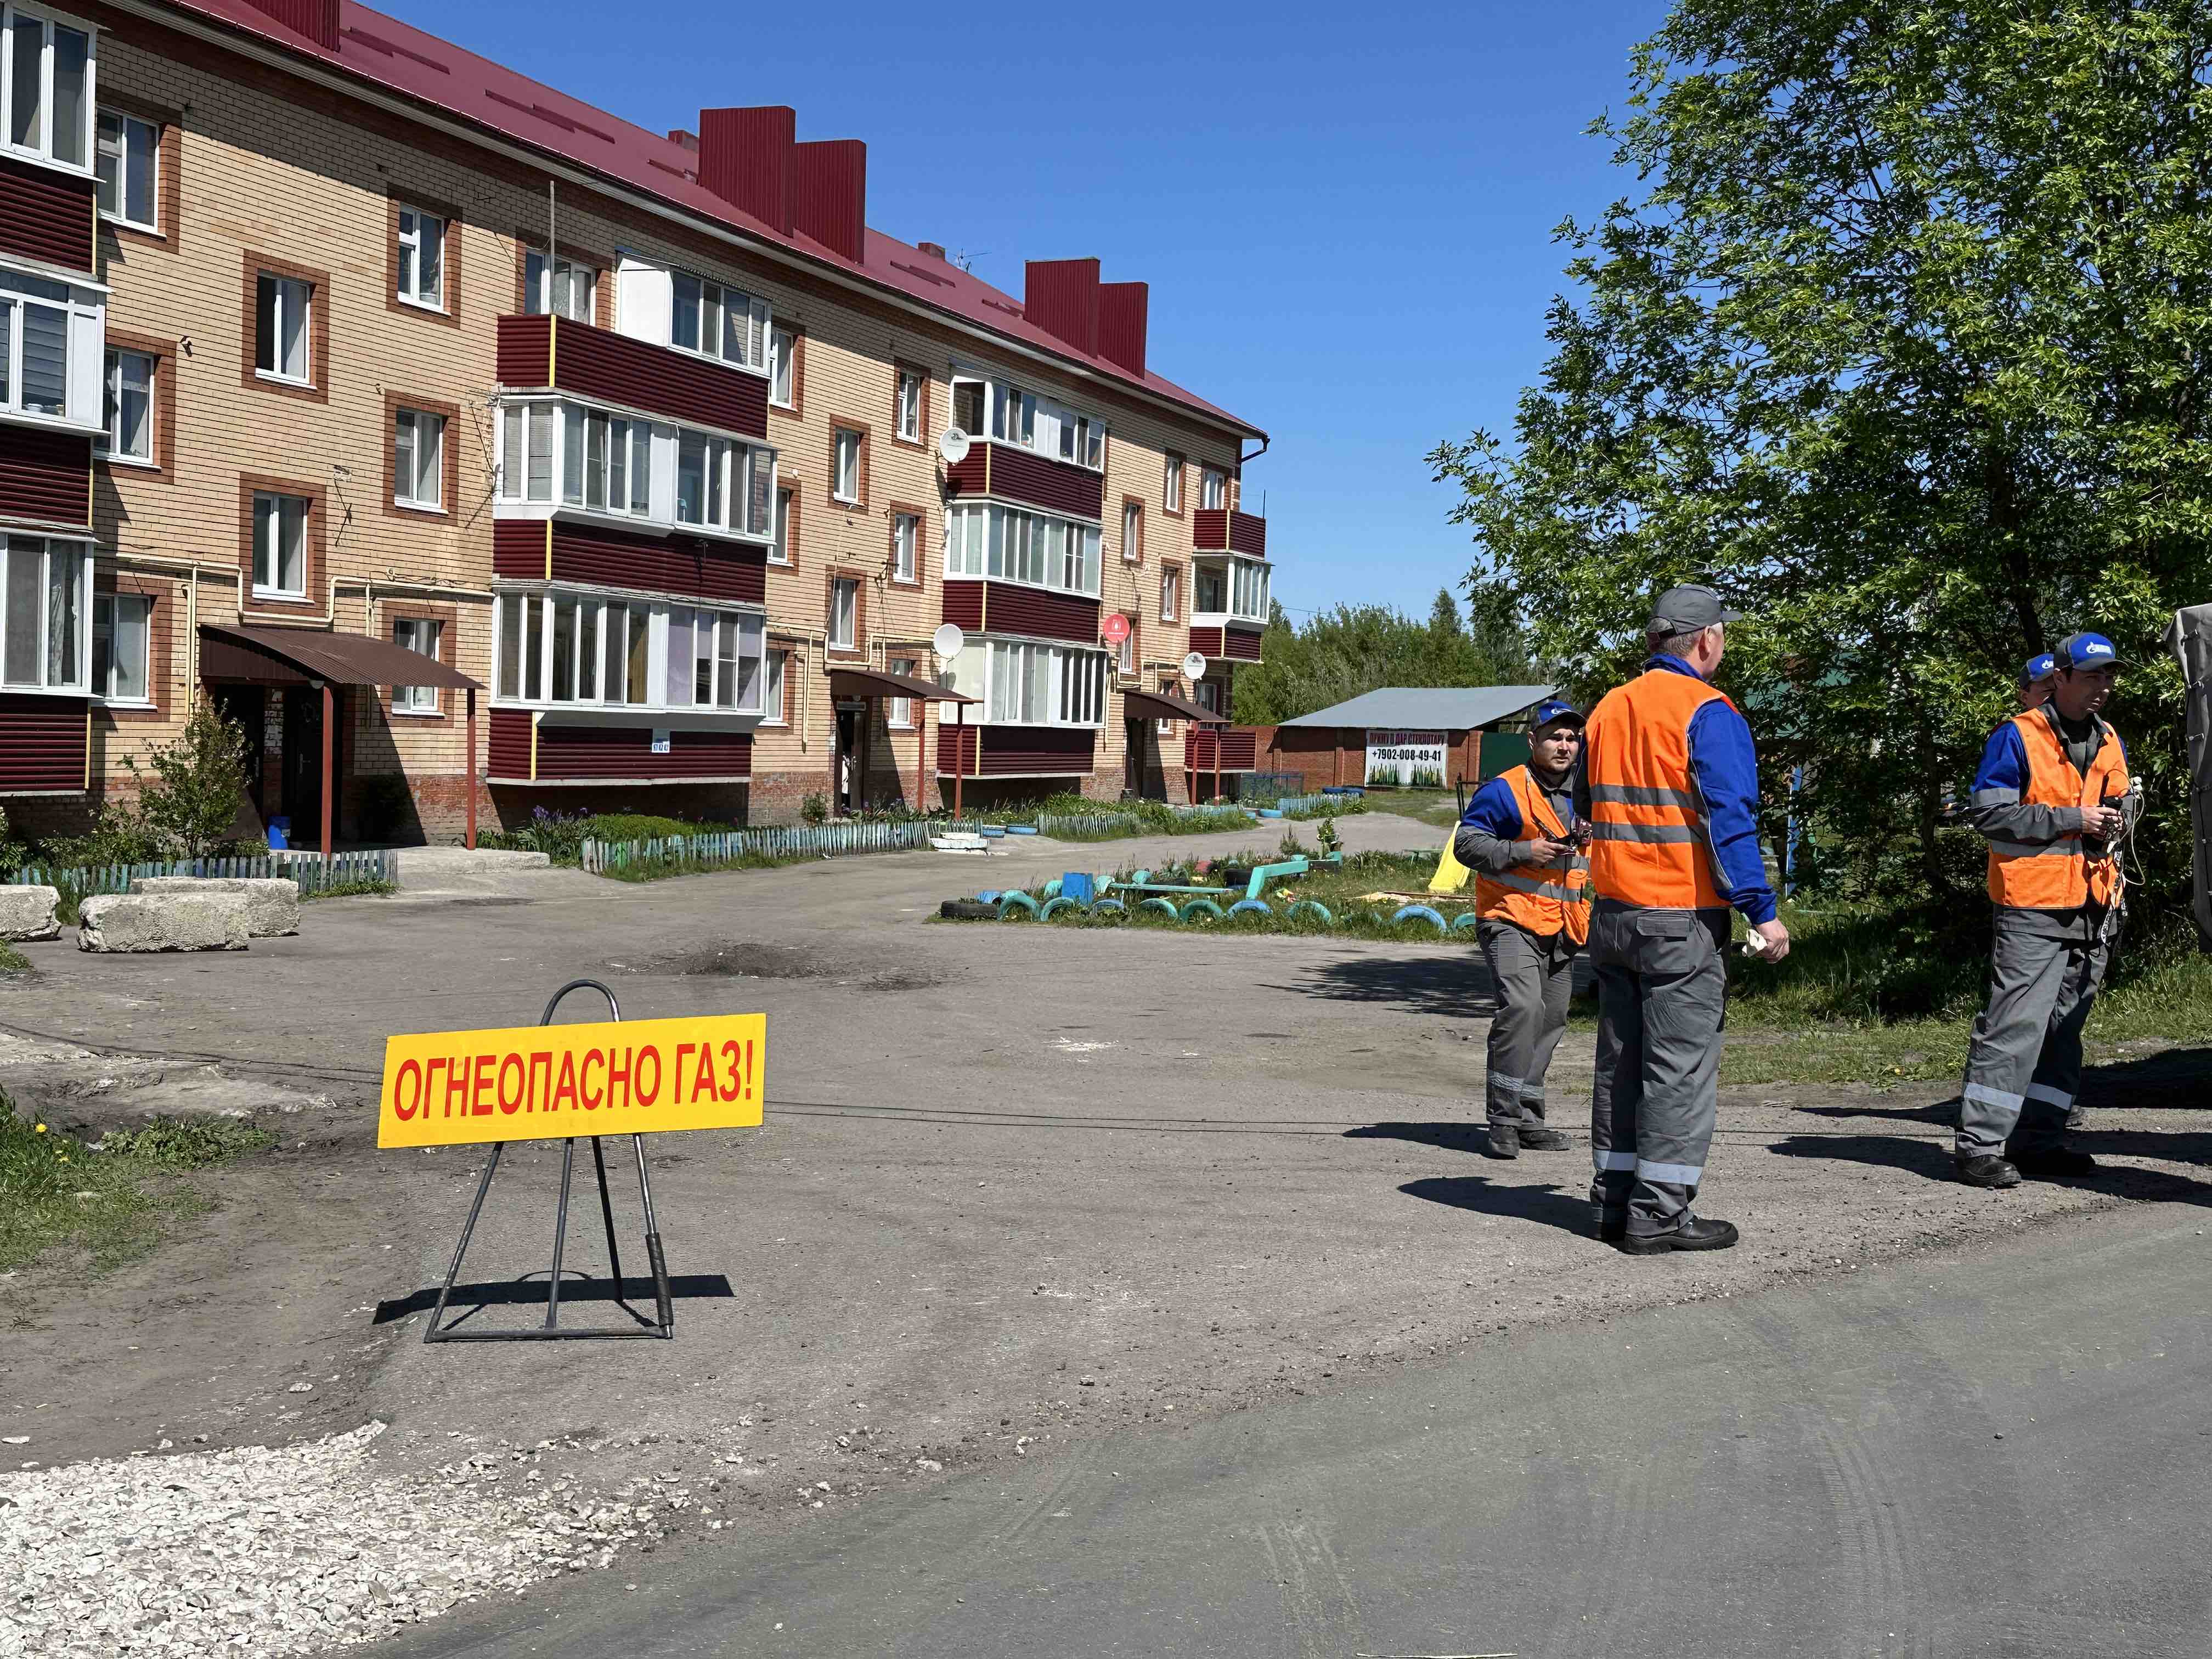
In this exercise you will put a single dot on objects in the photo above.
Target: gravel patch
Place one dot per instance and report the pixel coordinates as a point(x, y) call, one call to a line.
point(278, 1551)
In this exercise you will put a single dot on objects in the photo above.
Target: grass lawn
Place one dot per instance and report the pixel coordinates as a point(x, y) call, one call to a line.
point(1438, 806)
point(113, 1201)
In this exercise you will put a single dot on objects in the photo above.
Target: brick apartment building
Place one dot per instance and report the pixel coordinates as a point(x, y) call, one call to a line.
point(324, 339)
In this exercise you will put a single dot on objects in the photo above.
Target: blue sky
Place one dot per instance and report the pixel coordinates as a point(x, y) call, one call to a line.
point(1346, 230)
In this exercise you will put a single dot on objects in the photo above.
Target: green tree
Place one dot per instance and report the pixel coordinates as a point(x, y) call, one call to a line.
point(1906, 342)
point(1342, 653)
point(198, 784)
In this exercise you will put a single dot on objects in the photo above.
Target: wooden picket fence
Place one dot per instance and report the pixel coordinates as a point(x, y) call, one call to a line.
point(311, 870)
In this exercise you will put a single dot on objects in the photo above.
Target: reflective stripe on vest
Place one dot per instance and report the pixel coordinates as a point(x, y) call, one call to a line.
point(2060, 875)
point(1544, 898)
point(1648, 840)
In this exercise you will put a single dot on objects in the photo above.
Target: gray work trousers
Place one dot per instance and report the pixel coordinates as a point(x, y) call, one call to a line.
point(1530, 975)
point(1662, 991)
point(2024, 1065)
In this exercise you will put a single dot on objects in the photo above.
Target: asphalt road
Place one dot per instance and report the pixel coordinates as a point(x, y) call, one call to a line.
point(1999, 1449)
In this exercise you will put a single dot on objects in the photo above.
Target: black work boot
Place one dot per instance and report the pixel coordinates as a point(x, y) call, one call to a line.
point(1692, 1232)
point(1984, 1169)
point(1535, 1138)
point(2054, 1161)
point(1504, 1140)
point(1611, 1226)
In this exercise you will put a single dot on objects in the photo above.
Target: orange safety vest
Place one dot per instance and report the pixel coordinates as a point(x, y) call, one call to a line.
point(2061, 876)
point(1540, 898)
point(1648, 845)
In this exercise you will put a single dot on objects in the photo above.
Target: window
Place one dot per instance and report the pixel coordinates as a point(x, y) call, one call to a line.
point(1039, 423)
point(129, 158)
point(783, 368)
point(42, 619)
point(1014, 545)
point(1211, 596)
point(280, 544)
point(1170, 592)
point(910, 384)
point(1209, 695)
point(968, 406)
point(128, 415)
point(1248, 590)
point(1171, 484)
point(906, 535)
point(1125, 658)
point(719, 322)
point(566, 648)
point(1132, 532)
point(556, 452)
point(1169, 688)
point(845, 478)
point(119, 647)
point(1213, 488)
point(558, 286)
point(779, 551)
point(418, 459)
point(901, 710)
point(1041, 684)
point(424, 634)
point(844, 613)
point(421, 259)
point(48, 89)
point(41, 323)
point(776, 662)
point(283, 307)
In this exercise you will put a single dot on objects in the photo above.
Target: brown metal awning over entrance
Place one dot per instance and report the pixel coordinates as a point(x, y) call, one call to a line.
point(300, 656)
point(1157, 705)
point(873, 683)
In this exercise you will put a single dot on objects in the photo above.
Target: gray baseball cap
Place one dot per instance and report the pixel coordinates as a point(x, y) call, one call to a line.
point(1678, 610)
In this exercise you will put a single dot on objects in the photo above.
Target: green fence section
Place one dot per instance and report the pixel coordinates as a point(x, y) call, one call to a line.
point(789, 842)
point(311, 870)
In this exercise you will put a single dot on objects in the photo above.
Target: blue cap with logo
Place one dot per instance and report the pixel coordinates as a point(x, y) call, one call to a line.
point(2038, 668)
point(2080, 651)
point(1553, 710)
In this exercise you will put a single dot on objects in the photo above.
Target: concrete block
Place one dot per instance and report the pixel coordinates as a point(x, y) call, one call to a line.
point(162, 921)
point(28, 913)
point(272, 903)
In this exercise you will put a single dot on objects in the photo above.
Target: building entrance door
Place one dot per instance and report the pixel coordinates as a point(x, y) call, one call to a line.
point(1147, 776)
point(303, 762)
point(246, 708)
point(851, 758)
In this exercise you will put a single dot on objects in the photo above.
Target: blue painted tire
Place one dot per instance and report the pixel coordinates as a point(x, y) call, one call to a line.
point(1162, 906)
point(1057, 903)
point(988, 895)
point(1021, 828)
point(1411, 912)
point(1465, 922)
point(1250, 908)
point(1314, 907)
point(1109, 908)
point(1201, 906)
point(992, 832)
point(1268, 811)
point(1014, 904)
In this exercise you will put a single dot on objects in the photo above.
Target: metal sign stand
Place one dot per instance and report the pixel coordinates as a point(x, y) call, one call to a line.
point(552, 1330)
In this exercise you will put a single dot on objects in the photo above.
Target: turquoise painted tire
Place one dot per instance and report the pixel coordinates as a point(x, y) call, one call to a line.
point(1138, 878)
point(1021, 828)
point(1313, 907)
point(1268, 811)
point(1250, 908)
point(1014, 904)
point(1465, 922)
point(1057, 904)
point(1052, 888)
point(1109, 908)
point(988, 895)
point(1161, 906)
point(1201, 906)
point(1421, 912)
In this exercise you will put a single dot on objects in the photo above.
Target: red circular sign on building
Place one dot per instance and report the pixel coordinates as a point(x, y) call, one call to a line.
point(1116, 628)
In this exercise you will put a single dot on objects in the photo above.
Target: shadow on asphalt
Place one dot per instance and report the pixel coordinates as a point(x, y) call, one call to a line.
point(1569, 1212)
point(474, 1298)
point(1930, 1155)
point(1452, 1137)
point(1448, 986)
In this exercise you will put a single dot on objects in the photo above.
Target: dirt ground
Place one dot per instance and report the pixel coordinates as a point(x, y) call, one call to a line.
point(1016, 1185)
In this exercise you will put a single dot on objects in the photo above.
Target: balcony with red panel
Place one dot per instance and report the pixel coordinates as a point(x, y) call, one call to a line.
point(1227, 530)
point(542, 352)
point(1009, 473)
point(1223, 748)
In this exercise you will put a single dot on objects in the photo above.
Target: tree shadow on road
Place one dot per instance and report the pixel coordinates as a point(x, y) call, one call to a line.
point(1930, 1155)
point(1571, 1212)
point(1450, 986)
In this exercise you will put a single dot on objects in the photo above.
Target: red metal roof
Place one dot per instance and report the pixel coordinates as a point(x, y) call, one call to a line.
point(400, 58)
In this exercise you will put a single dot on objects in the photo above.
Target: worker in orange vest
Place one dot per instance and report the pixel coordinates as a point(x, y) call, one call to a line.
point(1670, 783)
point(2054, 801)
point(1520, 837)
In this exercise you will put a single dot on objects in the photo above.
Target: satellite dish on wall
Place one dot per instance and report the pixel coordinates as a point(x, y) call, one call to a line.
point(952, 447)
point(948, 639)
point(1194, 667)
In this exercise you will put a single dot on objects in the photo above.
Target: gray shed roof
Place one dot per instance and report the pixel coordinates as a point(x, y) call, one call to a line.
point(1427, 708)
